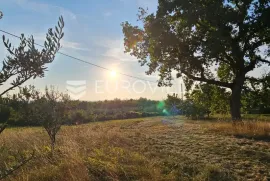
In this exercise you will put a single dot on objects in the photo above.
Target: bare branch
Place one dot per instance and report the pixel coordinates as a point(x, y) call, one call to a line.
point(16, 167)
point(253, 63)
point(264, 61)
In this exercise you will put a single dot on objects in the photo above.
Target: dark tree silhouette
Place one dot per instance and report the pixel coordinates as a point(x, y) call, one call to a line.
point(26, 62)
point(190, 36)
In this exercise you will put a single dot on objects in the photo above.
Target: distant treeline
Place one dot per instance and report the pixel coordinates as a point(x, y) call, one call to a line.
point(80, 112)
point(24, 109)
point(84, 112)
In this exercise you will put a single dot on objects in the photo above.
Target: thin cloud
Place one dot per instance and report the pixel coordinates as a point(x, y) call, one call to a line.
point(151, 4)
point(73, 45)
point(45, 8)
point(115, 50)
point(66, 13)
point(64, 43)
point(107, 14)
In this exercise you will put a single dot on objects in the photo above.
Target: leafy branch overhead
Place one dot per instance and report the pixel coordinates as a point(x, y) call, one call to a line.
point(191, 36)
point(26, 61)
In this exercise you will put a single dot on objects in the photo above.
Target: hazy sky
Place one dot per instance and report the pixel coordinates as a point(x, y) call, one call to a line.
point(92, 33)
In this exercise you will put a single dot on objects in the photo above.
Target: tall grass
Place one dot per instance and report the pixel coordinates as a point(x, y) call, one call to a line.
point(98, 151)
point(138, 149)
point(248, 129)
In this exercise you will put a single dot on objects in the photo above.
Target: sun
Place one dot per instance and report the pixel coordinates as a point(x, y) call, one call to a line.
point(113, 73)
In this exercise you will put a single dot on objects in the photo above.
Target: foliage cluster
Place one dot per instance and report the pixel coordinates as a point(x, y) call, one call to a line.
point(207, 99)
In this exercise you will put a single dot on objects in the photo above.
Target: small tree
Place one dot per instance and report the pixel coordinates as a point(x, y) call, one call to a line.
point(256, 96)
point(50, 110)
point(174, 104)
point(210, 99)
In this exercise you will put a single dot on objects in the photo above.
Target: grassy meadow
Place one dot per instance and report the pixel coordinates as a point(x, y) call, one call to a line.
point(141, 149)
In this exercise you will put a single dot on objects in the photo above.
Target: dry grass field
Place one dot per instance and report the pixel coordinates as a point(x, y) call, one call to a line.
point(141, 149)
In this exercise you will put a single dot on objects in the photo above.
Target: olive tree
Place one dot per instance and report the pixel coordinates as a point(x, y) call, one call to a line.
point(26, 61)
point(50, 109)
point(195, 37)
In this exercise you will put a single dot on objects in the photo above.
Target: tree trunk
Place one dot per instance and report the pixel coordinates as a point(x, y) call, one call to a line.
point(2, 128)
point(52, 144)
point(236, 99)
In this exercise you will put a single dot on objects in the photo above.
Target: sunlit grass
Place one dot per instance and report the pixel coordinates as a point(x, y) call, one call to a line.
point(248, 129)
point(136, 149)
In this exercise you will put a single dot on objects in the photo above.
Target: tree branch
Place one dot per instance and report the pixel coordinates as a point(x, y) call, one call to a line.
point(256, 80)
point(230, 59)
point(253, 63)
point(255, 45)
point(264, 61)
point(16, 167)
point(3, 127)
point(14, 86)
point(209, 81)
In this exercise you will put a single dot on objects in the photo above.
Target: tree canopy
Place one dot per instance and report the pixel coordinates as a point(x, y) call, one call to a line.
point(195, 37)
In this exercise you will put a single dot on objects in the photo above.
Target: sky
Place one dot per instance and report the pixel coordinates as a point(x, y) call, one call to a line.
point(92, 33)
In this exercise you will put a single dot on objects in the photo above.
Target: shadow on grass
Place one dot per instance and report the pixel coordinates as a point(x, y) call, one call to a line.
point(255, 130)
point(256, 138)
